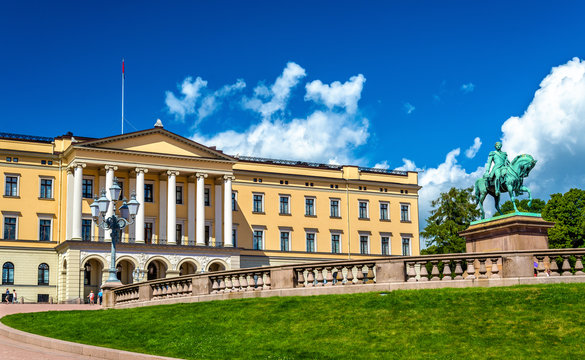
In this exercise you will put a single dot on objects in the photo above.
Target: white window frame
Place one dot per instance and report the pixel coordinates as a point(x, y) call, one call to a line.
point(368, 235)
point(402, 237)
point(10, 215)
point(93, 188)
point(234, 238)
point(234, 202)
point(87, 217)
point(150, 182)
point(180, 185)
point(387, 203)
point(208, 188)
point(181, 222)
point(314, 232)
point(263, 230)
point(338, 207)
point(261, 202)
point(409, 217)
point(289, 238)
point(44, 217)
point(367, 202)
point(17, 184)
point(44, 177)
point(289, 204)
point(150, 220)
point(340, 233)
point(389, 236)
point(314, 205)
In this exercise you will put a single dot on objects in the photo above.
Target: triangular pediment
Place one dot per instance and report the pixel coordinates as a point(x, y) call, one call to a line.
point(156, 141)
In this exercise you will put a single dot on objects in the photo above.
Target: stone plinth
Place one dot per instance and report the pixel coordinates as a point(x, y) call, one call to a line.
point(516, 231)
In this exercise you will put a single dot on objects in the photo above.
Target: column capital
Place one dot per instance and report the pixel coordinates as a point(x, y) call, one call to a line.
point(203, 175)
point(172, 173)
point(141, 170)
point(110, 167)
point(229, 177)
point(76, 164)
point(70, 170)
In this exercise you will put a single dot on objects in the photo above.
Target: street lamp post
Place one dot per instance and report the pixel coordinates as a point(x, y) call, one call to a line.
point(114, 223)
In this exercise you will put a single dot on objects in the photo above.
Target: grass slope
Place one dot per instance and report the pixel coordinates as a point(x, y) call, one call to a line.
point(526, 322)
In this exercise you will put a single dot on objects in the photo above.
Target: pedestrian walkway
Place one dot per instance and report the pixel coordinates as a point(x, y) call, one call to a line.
point(12, 349)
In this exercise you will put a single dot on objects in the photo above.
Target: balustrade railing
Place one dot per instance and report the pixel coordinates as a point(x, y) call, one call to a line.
point(335, 274)
point(457, 267)
point(242, 280)
point(561, 262)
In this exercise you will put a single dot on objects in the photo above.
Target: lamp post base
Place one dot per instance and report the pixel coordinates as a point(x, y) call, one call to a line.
point(110, 284)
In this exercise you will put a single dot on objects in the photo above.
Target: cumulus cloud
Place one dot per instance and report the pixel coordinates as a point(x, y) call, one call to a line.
point(185, 104)
point(467, 88)
point(409, 108)
point(383, 165)
point(268, 101)
point(473, 149)
point(213, 101)
point(336, 94)
point(551, 129)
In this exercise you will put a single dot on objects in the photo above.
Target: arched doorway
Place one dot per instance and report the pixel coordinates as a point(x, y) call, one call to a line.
point(187, 268)
point(216, 266)
point(156, 269)
point(124, 271)
point(92, 276)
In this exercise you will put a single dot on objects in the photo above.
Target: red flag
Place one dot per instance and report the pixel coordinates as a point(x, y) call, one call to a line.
point(123, 67)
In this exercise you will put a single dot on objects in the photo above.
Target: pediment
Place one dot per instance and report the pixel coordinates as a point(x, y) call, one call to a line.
point(156, 141)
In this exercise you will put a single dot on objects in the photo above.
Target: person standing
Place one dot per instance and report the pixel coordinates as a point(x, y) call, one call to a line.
point(14, 297)
point(100, 295)
point(91, 297)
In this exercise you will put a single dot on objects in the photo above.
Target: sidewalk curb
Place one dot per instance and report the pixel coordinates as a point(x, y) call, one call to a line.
point(74, 348)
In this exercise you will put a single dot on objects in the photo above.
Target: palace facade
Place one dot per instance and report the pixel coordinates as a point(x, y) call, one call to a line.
point(200, 210)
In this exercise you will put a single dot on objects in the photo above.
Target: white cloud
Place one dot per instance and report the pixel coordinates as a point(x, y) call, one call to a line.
point(344, 95)
point(409, 108)
point(473, 149)
point(467, 88)
point(268, 101)
point(185, 105)
point(383, 165)
point(213, 101)
point(551, 129)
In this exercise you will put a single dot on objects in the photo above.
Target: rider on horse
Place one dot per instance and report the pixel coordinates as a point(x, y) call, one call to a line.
point(500, 160)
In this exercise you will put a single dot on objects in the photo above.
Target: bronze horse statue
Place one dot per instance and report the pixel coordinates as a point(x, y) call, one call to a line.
point(511, 181)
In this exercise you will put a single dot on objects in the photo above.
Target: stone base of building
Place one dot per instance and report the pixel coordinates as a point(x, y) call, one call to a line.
point(516, 231)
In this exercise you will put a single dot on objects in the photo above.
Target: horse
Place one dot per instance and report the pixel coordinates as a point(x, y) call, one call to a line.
point(512, 183)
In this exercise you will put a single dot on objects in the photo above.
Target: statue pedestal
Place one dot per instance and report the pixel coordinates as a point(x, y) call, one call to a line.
point(516, 231)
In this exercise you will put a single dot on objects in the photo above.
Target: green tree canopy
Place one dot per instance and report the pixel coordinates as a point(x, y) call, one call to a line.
point(567, 211)
point(537, 206)
point(452, 212)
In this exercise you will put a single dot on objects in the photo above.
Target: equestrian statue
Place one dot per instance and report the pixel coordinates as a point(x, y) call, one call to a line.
point(503, 176)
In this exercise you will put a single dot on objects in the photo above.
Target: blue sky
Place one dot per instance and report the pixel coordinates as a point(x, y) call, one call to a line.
point(416, 80)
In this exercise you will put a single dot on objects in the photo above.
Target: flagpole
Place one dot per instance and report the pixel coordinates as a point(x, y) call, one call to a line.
point(123, 76)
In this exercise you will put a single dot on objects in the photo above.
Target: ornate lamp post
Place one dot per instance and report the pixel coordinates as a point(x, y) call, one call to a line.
point(114, 223)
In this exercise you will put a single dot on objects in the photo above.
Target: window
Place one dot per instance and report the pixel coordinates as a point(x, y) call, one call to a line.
point(86, 230)
point(8, 273)
point(334, 204)
point(310, 206)
point(43, 274)
point(284, 205)
point(384, 211)
point(11, 188)
point(364, 239)
point(234, 201)
point(404, 212)
point(10, 228)
point(405, 246)
point(87, 274)
point(310, 242)
point(258, 203)
point(285, 241)
point(179, 194)
point(207, 235)
point(45, 230)
point(235, 237)
point(179, 233)
point(148, 231)
point(87, 188)
point(46, 189)
point(149, 193)
point(385, 245)
point(363, 210)
point(258, 239)
point(206, 196)
point(335, 243)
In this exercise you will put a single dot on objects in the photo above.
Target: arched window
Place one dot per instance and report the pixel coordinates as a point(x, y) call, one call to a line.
point(43, 274)
point(8, 273)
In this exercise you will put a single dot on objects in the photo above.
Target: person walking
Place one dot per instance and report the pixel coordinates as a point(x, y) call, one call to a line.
point(14, 297)
point(91, 297)
point(7, 298)
point(100, 295)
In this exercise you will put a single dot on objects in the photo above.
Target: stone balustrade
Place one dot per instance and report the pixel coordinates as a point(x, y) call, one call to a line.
point(368, 274)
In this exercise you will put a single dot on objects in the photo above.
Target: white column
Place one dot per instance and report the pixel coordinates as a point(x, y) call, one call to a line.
point(77, 188)
point(139, 222)
point(132, 190)
point(218, 223)
point(109, 183)
point(69, 209)
point(227, 210)
point(172, 208)
point(200, 231)
point(191, 211)
point(162, 210)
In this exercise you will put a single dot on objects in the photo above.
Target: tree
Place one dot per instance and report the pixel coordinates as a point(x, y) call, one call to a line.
point(567, 211)
point(537, 206)
point(452, 212)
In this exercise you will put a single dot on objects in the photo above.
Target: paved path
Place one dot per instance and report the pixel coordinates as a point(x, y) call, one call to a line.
point(14, 350)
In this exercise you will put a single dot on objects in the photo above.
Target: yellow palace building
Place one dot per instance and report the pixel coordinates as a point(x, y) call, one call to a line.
point(200, 210)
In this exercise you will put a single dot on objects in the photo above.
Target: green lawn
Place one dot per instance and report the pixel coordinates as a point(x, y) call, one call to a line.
point(526, 322)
